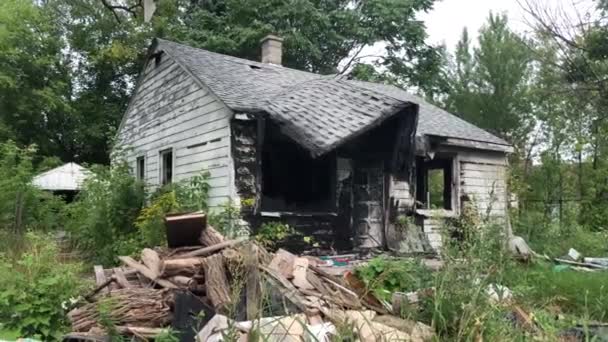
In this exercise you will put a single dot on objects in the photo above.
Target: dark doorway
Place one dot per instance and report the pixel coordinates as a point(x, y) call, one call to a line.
point(294, 181)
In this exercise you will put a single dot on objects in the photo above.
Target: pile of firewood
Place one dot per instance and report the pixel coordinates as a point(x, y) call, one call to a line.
point(140, 293)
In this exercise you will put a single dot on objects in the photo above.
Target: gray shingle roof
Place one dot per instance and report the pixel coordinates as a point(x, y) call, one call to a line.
point(317, 111)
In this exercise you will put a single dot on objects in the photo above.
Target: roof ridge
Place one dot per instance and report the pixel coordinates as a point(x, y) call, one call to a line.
point(239, 59)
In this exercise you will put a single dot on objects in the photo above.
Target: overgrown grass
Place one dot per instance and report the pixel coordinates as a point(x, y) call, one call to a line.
point(460, 309)
point(571, 292)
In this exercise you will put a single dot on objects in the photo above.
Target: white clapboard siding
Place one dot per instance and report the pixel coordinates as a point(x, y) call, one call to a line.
point(170, 110)
point(485, 183)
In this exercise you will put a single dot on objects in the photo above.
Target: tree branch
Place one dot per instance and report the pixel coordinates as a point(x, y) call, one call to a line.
point(129, 9)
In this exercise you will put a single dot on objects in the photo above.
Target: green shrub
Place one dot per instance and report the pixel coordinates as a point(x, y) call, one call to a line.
point(22, 205)
point(270, 234)
point(228, 221)
point(150, 221)
point(186, 196)
point(104, 212)
point(36, 287)
point(384, 275)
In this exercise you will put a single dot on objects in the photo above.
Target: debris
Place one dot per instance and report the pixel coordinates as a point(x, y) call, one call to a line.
point(402, 301)
point(146, 272)
point(523, 320)
point(215, 248)
point(210, 237)
point(185, 229)
point(138, 307)
point(151, 259)
point(499, 293)
point(520, 249)
point(300, 269)
point(597, 261)
point(581, 264)
point(573, 255)
point(147, 295)
point(216, 283)
point(283, 263)
point(215, 325)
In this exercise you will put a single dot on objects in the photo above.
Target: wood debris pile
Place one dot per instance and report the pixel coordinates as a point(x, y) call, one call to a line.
point(141, 294)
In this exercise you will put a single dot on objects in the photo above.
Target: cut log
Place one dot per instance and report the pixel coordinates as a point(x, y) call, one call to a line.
point(210, 237)
point(146, 272)
point(215, 248)
point(282, 262)
point(253, 287)
point(141, 332)
point(182, 281)
point(216, 281)
point(184, 266)
point(151, 259)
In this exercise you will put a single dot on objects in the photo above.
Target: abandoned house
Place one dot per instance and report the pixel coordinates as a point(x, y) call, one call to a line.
point(346, 161)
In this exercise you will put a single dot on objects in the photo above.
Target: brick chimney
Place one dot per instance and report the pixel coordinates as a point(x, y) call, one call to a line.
point(272, 49)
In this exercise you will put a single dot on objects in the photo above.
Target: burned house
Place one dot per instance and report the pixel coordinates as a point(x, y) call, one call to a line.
point(343, 160)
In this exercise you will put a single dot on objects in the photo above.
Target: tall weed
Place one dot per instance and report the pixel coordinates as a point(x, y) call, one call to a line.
point(35, 287)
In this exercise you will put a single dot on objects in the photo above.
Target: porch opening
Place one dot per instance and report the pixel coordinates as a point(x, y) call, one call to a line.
point(434, 185)
point(292, 180)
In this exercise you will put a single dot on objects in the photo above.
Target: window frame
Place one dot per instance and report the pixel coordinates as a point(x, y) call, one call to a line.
point(140, 170)
point(162, 166)
point(449, 164)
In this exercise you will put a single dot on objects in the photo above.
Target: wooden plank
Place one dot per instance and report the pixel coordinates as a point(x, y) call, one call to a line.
point(121, 279)
point(215, 248)
point(100, 277)
point(283, 263)
point(146, 272)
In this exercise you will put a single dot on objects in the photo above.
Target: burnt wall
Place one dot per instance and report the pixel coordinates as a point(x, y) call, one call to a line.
point(244, 154)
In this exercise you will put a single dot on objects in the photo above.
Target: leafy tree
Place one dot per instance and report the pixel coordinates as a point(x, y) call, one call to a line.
point(34, 87)
point(489, 87)
point(318, 35)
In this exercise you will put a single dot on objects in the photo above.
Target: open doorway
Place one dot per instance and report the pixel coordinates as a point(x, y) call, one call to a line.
point(294, 181)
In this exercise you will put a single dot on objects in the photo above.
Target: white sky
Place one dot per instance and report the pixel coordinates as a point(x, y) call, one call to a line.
point(446, 21)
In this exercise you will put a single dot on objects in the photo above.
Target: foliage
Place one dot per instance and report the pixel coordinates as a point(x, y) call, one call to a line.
point(318, 35)
point(227, 220)
point(489, 87)
point(580, 294)
point(150, 221)
point(103, 215)
point(383, 276)
point(189, 195)
point(21, 204)
point(272, 233)
point(35, 288)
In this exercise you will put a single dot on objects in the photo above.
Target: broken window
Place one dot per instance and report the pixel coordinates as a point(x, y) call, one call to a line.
point(140, 171)
point(166, 166)
point(292, 180)
point(434, 185)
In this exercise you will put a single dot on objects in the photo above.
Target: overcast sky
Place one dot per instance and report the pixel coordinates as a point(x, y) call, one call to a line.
point(448, 18)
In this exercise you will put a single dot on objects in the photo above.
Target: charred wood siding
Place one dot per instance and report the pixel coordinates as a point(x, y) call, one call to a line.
point(170, 110)
point(245, 156)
